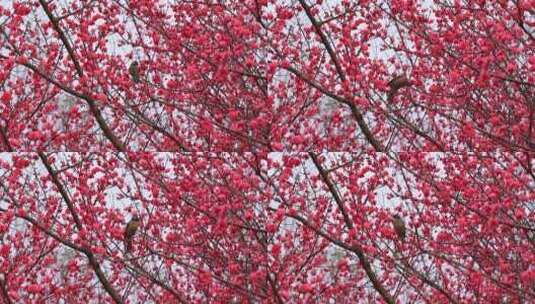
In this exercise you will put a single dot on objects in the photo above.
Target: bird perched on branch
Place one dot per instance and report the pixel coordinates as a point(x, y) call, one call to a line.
point(130, 231)
point(399, 227)
point(134, 71)
point(397, 83)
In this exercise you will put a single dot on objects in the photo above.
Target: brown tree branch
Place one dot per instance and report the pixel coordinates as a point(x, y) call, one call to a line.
point(332, 54)
point(61, 190)
point(89, 254)
point(3, 288)
point(91, 102)
point(332, 189)
point(357, 115)
point(357, 250)
point(5, 139)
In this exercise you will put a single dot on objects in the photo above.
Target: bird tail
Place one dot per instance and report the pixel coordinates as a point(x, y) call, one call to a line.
point(127, 244)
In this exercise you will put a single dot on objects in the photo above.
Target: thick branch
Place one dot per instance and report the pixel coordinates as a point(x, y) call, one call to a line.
point(91, 102)
point(324, 40)
point(429, 282)
point(90, 256)
point(332, 189)
point(332, 54)
point(3, 288)
point(178, 296)
point(62, 36)
point(61, 190)
point(357, 115)
point(49, 233)
point(101, 277)
point(358, 251)
point(275, 290)
point(5, 139)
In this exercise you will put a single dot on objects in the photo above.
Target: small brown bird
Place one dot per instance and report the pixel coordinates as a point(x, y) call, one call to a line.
point(134, 71)
point(399, 227)
point(397, 83)
point(130, 231)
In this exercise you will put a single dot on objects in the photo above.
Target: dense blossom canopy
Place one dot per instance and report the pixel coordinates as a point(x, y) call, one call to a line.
point(266, 147)
point(300, 227)
point(267, 75)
